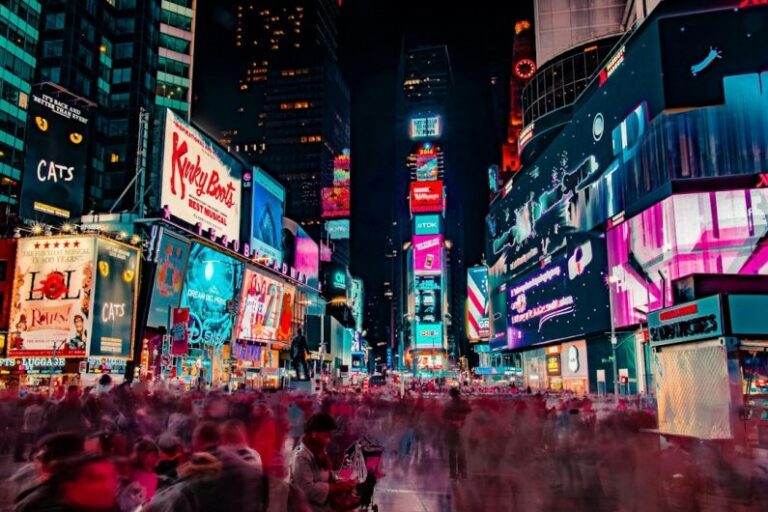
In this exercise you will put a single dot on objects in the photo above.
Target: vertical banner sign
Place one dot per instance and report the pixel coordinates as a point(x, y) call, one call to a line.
point(169, 279)
point(7, 263)
point(478, 327)
point(117, 268)
point(267, 215)
point(201, 182)
point(55, 161)
point(179, 331)
point(259, 307)
point(51, 301)
point(336, 198)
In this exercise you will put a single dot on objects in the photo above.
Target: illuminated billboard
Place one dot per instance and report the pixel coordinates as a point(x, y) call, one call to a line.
point(260, 302)
point(427, 254)
point(426, 196)
point(427, 168)
point(201, 183)
point(52, 187)
point(425, 162)
point(267, 216)
point(51, 307)
point(7, 264)
point(427, 224)
point(429, 336)
point(428, 295)
point(212, 280)
point(566, 298)
point(169, 278)
point(114, 299)
point(707, 232)
point(285, 327)
point(301, 252)
point(356, 298)
point(425, 127)
point(336, 198)
point(478, 324)
point(337, 229)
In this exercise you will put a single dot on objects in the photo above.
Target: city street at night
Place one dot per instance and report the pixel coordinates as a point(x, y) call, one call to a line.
point(372, 256)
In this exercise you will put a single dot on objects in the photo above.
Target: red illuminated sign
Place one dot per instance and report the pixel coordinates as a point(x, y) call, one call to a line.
point(427, 196)
point(751, 3)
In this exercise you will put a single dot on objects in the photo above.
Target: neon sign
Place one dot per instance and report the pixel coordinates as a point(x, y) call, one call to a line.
point(613, 63)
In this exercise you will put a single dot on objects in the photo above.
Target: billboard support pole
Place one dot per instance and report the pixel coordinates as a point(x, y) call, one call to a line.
point(141, 167)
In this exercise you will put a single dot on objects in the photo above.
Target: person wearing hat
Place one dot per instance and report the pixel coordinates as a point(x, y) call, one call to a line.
point(310, 468)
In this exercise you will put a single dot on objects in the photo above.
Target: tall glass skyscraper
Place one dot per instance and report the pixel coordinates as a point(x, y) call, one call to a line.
point(175, 56)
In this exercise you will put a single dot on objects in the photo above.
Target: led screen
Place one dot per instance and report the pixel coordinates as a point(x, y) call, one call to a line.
point(260, 302)
point(710, 232)
point(301, 252)
point(285, 328)
point(427, 197)
point(337, 229)
point(267, 215)
point(478, 327)
point(429, 335)
point(566, 298)
point(427, 168)
point(169, 278)
point(212, 280)
point(428, 295)
point(426, 224)
point(336, 198)
point(427, 254)
point(425, 127)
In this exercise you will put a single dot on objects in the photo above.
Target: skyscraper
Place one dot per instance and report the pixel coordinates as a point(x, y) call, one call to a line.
point(291, 104)
point(428, 77)
point(19, 23)
point(175, 56)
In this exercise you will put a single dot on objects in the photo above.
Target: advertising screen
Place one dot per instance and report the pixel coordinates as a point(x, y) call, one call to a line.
point(168, 279)
point(708, 233)
point(427, 196)
point(427, 224)
point(337, 229)
point(114, 299)
point(567, 297)
point(336, 281)
point(355, 297)
point(427, 168)
point(51, 301)
point(201, 182)
point(52, 188)
point(478, 325)
point(260, 303)
point(429, 335)
point(428, 127)
point(213, 279)
point(285, 327)
point(428, 295)
point(336, 198)
point(301, 252)
point(267, 215)
point(427, 254)
point(7, 264)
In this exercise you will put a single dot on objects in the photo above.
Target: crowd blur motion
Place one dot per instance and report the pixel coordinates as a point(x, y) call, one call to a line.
point(127, 448)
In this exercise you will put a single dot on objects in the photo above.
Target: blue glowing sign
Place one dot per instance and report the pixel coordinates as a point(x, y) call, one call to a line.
point(426, 224)
point(267, 215)
point(429, 335)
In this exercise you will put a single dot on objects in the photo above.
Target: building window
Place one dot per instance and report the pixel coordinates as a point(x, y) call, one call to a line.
point(55, 21)
point(121, 75)
point(53, 48)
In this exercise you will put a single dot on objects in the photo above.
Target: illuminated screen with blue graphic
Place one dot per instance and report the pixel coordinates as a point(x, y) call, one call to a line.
point(429, 335)
point(566, 298)
point(213, 279)
point(267, 210)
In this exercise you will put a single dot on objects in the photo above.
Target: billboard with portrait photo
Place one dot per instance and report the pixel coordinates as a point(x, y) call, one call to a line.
point(51, 300)
point(260, 302)
point(114, 299)
point(267, 215)
point(201, 182)
point(55, 164)
point(285, 326)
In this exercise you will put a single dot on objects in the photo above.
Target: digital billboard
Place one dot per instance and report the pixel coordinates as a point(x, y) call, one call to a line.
point(201, 183)
point(336, 281)
point(706, 232)
point(426, 196)
point(425, 127)
point(429, 336)
point(301, 252)
point(285, 326)
point(7, 264)
point(427, 254)
point(428, 295)
point(427, 168)
point(168, 280)
point(260, 302)
point(566, 298)
point(267, 215)
point(427, 224)
point(51, 301)
point(336, 198)
point(212, 280)
point(114, 299)
point(337, 229)
point(478, 326)
point(356, 298)
point(53, 184)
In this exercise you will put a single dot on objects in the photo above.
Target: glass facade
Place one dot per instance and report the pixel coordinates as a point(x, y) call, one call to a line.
point(174, 69)
point(19, 23)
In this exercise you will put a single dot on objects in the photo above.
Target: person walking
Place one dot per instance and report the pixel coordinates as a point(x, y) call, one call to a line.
point(454, 414)
point(299, 353)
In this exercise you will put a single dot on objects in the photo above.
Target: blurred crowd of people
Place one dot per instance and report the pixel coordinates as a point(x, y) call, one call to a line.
point(128, 448)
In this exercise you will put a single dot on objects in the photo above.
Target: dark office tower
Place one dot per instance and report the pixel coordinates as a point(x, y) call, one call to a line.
point(105, 52)
point(292, 105)
point(428, 77)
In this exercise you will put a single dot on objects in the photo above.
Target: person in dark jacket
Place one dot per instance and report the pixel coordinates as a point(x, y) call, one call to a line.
point(455, 413)
point(299, 353)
